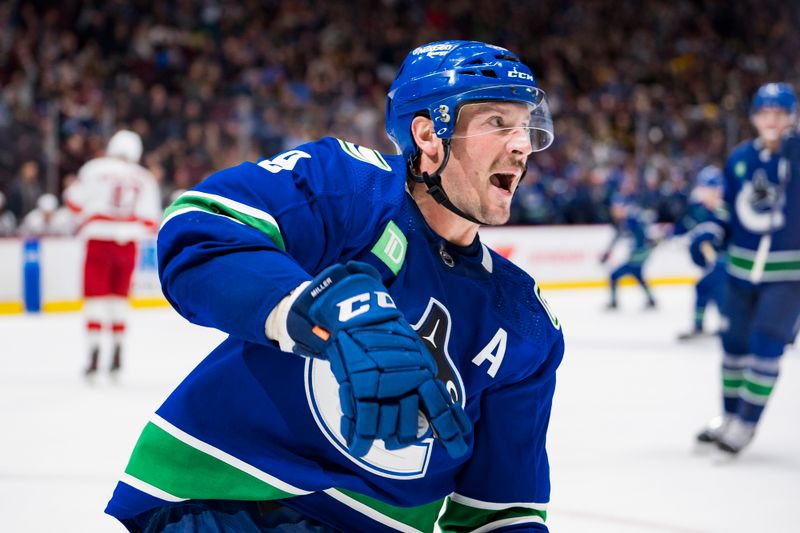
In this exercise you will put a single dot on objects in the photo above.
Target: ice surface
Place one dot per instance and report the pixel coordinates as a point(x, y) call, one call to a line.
point(629, 401)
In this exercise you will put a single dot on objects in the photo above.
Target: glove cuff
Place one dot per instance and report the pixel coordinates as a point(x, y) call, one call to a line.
point(275, 327)
point(340, 297)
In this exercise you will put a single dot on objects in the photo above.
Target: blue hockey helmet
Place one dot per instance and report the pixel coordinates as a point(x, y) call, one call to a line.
point(709, 176)
point(780, 95)
point(438, 78)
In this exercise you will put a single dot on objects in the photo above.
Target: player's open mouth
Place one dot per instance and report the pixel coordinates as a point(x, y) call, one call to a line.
point(502, 180)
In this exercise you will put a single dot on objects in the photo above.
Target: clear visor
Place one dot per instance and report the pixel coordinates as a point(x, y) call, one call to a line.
point(526, 121)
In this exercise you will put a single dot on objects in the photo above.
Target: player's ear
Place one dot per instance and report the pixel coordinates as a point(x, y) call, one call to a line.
point(424, 136)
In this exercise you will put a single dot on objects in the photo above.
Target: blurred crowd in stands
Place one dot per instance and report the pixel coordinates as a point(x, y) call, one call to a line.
point(643, 93)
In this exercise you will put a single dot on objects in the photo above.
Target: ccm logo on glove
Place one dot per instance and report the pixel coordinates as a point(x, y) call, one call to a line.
point(359, 304)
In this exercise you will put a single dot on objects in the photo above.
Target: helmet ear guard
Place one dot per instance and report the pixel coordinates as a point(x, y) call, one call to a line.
point(433, 182)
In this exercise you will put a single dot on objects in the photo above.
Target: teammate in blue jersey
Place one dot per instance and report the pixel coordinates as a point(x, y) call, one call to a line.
point(702, 223)
point(629, 228)
point(762, 295)
point(382, 362)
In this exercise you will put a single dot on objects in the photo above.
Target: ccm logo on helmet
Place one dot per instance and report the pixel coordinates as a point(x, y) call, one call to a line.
point(521, 75)
point(360, 304)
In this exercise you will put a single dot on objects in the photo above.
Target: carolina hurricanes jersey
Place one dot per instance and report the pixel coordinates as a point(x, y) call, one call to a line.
point(115, 200)
point(254, 423)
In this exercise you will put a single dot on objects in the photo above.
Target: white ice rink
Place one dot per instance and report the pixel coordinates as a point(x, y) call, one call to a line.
point(628, 403)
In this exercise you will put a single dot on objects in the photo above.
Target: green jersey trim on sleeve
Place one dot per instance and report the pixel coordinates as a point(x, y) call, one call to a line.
point(391, 247)
point(464, 514)
point(365, 155)
point(225, 207)
point(168, 462)
point(553, 318)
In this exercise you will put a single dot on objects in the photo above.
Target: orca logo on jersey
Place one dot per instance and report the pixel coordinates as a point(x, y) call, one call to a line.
point(322, 392)
point(434, 330)
point(759, 204)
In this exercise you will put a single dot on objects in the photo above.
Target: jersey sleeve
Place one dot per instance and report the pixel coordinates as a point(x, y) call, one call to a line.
point(731, 182)
point(637, 228)
point(505, 486)
point(233, 247)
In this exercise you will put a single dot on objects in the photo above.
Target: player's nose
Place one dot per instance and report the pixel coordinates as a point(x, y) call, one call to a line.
point(519, 142)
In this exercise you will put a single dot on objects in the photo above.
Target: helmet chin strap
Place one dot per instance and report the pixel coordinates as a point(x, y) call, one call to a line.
point(434, 184)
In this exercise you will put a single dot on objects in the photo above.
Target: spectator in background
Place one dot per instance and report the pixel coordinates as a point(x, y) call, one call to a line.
point(74, 153)
point(117, 202)
point(664, 89)
point(25, 190)
point(48, 219)
point(8, 223)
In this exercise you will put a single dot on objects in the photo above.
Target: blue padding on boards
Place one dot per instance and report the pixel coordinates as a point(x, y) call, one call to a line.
point(31, 276)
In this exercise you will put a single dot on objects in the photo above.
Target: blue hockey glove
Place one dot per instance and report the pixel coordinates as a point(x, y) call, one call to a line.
point(386, 375)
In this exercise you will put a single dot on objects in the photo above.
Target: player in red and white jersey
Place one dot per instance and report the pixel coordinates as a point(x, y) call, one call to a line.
point(118, 203)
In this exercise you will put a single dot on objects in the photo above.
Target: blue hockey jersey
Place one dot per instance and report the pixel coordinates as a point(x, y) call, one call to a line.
point(764, 200)
point(631, 233)
point(700, 224)
point(251, 422)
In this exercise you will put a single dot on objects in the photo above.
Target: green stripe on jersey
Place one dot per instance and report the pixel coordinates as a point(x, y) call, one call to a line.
point(421, 518)
point(780, 265)
point(219, 205)
point(769, 266)
point(179, 469)
point(365, 155)
point(458, 517)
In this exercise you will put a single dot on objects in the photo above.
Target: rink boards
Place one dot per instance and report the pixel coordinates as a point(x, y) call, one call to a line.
point(557, 256)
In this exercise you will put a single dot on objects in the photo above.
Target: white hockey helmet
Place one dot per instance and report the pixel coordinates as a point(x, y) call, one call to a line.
point(125, 144)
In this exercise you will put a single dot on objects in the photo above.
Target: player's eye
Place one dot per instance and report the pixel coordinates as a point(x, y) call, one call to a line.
point(496, 121)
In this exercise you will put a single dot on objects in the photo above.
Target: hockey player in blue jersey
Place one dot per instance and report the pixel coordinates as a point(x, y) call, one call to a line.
point(382, 362)
point(703, 224)
point(761, 304)
point(631, 230)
